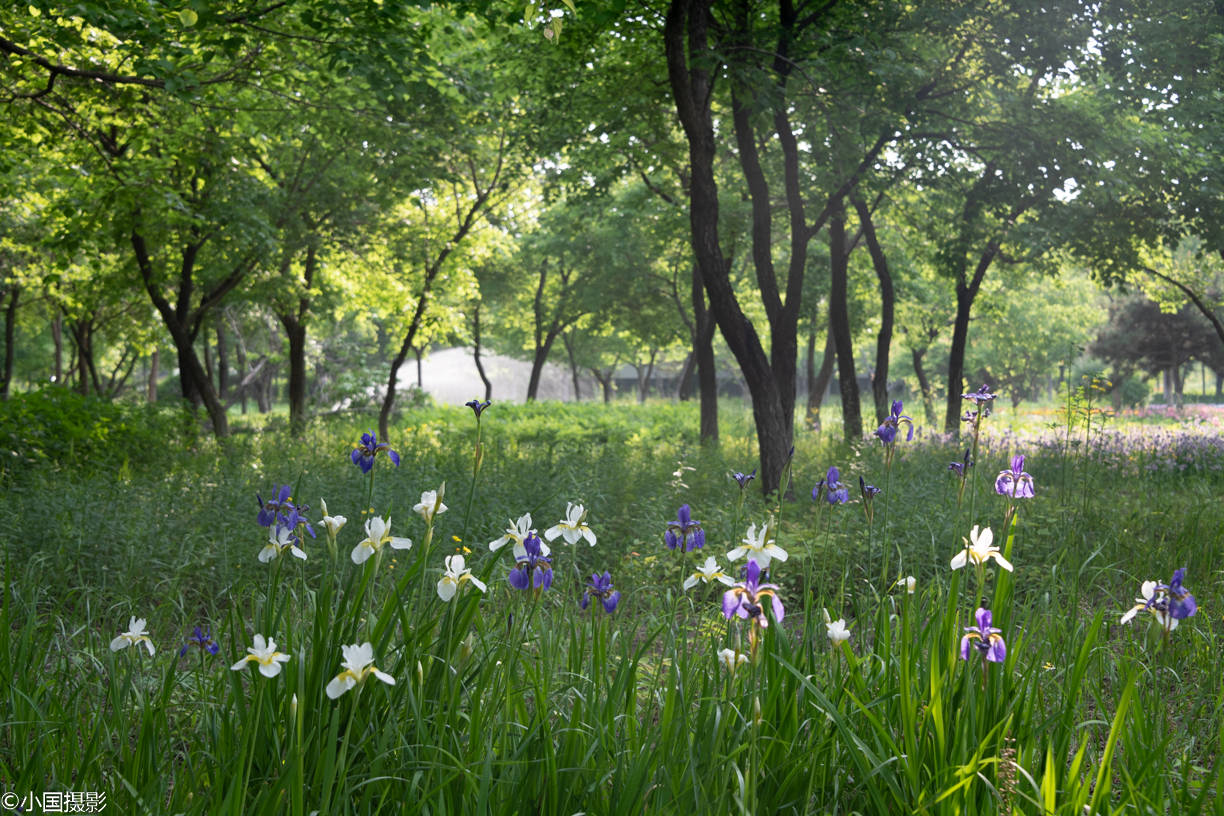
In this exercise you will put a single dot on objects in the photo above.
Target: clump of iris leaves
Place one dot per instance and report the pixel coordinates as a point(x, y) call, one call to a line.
point(523, 702)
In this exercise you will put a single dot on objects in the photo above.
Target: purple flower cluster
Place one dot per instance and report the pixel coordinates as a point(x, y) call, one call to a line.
point(201, 638)
point(830, 488)
point(284, 514)
point(364, 452)
point(1015, 483)
point(684, 532)
point(746, 599)
point(600, 586)
point(887, 432)
point(532, 569)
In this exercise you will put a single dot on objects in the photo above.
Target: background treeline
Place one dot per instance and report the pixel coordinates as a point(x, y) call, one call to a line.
point(239, 203)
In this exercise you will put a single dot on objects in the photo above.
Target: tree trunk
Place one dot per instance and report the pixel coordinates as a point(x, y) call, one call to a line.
point(644, 374)
point(484, 378)
point(604, 378)
point(183, 322)
point(686, 36)
point(295, 334)
point(567, 341)
point(10, 336)
point(208, 357)
point(537, 364)
point(879, 380)
point(703, 351)
point(81, 332)
point(924, 384)
point(956, 361)
point(243, 384)
point(839, 327)
point(223, 378)
point(57, 340)
point(384, 415)
point(151, 387)
point(684, 385)
point(819, 386)
point(418, 351)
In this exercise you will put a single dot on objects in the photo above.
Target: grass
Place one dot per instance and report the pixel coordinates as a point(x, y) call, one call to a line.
point(516, 702)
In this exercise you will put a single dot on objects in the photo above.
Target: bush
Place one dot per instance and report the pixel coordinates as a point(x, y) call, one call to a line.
point(1132, 393)
point(58, 427)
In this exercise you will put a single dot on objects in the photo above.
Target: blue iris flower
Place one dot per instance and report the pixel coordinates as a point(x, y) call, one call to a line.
point(364, 452)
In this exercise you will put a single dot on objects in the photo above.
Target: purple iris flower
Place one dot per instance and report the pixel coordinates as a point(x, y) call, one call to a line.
point(887, 432)
point(477, 406)
point(684, 532)
point(982, 396)
point(202, 638)
point(272, 508)
point(532, 570)
point(1015, 482)
point(985, 638)
point(600, 586)
point(834, 491)
point(295, 519)
point(1181, 602)
point(961, 468)
point(364, 452)
point(747, 598)
point(869, 491)
point(744, 478)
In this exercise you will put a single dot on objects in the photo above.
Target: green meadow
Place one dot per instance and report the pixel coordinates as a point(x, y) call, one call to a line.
point(521, 701)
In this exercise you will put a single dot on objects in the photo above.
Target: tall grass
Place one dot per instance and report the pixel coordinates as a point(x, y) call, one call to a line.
point(520, 702)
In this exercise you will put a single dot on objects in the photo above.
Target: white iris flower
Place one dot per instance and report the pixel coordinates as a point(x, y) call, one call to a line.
point(378, 533)
point(456, 573)
point(758, 547)
point(572, 527)
point(979, 549)
point(133, 636)
point(430, 504)
point(707, 572)
point(263, 654)
point(358, 665)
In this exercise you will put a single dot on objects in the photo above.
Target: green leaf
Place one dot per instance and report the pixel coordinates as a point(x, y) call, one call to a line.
point(188, 17)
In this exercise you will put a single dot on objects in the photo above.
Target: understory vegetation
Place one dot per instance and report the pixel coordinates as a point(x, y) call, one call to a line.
point(530, 701)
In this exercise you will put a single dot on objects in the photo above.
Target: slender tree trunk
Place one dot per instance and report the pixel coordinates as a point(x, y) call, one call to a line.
point(223, 378)
point(604, 378)
point(688, 371)
point(879, 380)
point(419, 351)
point(818, 387)
point(82, 332)
point(537, 364)
point(295, 334)
point(243, 380)
point(183, 322)
point(924, 384)
point(567, 341)
point(644, 374)
point(151, 387)
point(690, 63)
point(839, 327)
point(57, 341)
point(384, 415)
point(703, 351)
point(208, 357)
point(956, 360)
point(484, 378)
point(10, 338)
